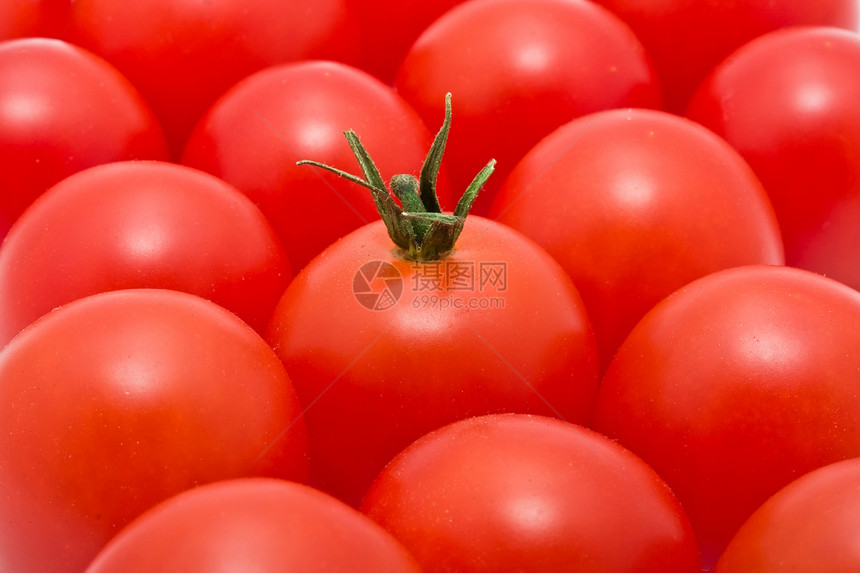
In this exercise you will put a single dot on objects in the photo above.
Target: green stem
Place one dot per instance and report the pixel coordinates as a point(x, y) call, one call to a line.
point(416, 225)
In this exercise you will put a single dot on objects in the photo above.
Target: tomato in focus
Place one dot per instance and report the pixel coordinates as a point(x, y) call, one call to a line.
point(253, 524)
point(788, 103)
point(734, 386)
point(63, 109)
point(117, 401)
point(512, 492)
point(376, 377)
point(141, 224)
point(634, 204)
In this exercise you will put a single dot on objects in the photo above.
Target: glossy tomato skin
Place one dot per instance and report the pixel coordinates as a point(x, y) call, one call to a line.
point(157, 225)
point(517, 339)
point(254, 135)
point(788, 103)
point(634, 204)
point(253, 524)
point(688, 39)
point(183, 54)
point(33, 18)
point(812, 524)
point(64, 109)
point(734, 386)
point(513, 492)
point(117, 401)
point(518, 69)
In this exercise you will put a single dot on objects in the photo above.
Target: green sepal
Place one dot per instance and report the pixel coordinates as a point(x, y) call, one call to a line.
point(416, 224)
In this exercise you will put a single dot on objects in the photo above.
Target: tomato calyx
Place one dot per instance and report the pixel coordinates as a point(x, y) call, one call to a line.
point(411, 210)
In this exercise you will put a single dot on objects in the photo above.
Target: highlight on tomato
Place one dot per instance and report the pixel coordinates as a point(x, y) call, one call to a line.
point(141, 224)
point(514, 492)
point(520, 69)
point(63, 109)
point(253, 524)
point(812, 524)
point(120, 400)
point(634, 204)
point(255, 133)
point(734, 386)
point(787, 102)
point(424, 318)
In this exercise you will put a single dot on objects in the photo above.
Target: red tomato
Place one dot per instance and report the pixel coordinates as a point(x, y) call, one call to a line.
point(519, 69)
point(788, 103)
point(688, 38)
point(44, 18)
point(433, 321)
point(253, 524)
point(253, 136)
point(117, 401)
point(62, 110)
point(495, 326)
point(157, 225)
point(511, 492)
point(183, 54)
point(734, 386)
point(812, 524)
point(388, 28)
point(635, 204)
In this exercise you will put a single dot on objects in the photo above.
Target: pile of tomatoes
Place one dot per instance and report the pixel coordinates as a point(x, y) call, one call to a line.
point(568, 285)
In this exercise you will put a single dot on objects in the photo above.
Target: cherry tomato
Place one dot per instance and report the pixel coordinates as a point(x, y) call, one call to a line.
point(812, 524)
point(788, 103)
point(117, 401)
point(511, 492)
point(734, 386)
point(156, 225)
point(254, 135)
point(519, 69)
point(30, 18)
point(64, 109)
point(495, 326)
point(253, 524)
point(183, 54)
point(634, 204)
point(688, 38)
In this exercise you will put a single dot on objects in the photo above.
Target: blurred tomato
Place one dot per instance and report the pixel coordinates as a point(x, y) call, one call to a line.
point(183, 54)
point(687, 38)
point(31, 18)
